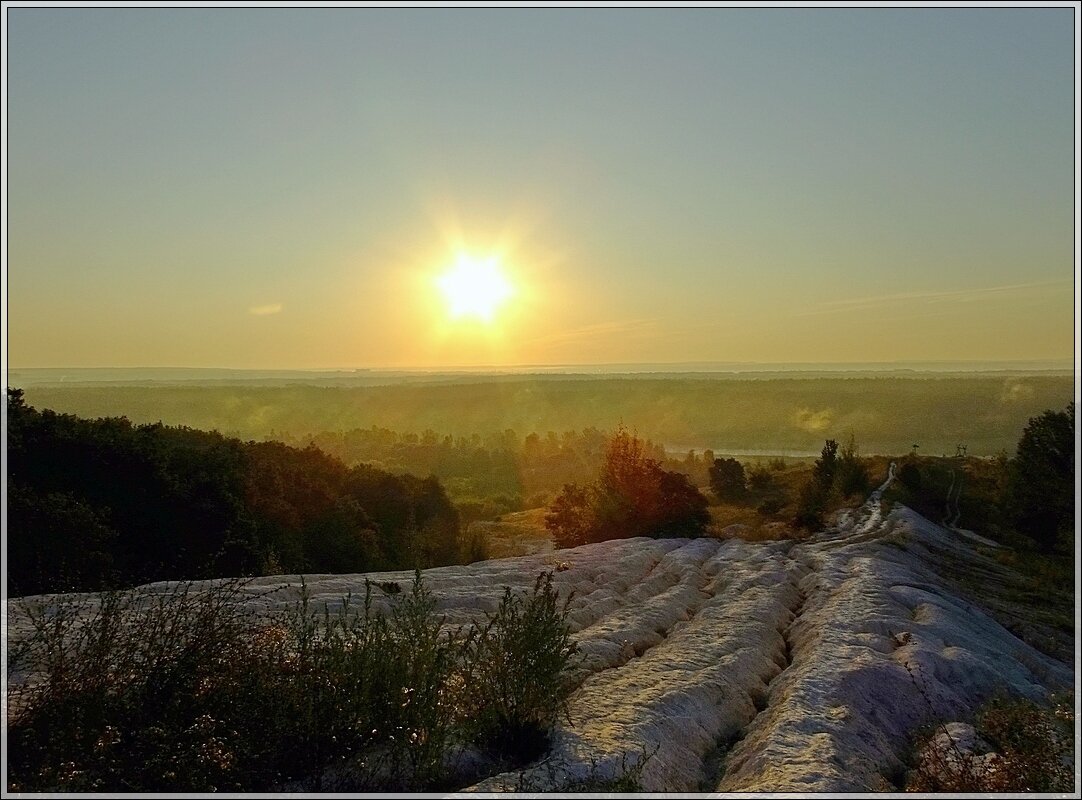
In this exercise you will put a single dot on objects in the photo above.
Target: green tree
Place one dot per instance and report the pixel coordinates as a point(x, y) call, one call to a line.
point(97, 503)
point(815, 494)
point(727, 479)
point(56, 542)
point(570, 516)
point(826, 465)
point(1040, 483)
point(341, 540)
point(850, 474)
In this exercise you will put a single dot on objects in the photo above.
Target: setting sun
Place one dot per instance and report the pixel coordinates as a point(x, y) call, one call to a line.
point(474, 287)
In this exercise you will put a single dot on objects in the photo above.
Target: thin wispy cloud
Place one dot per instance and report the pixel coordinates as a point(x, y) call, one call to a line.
point(632, 327)
point(950, 296)
point(262, 311)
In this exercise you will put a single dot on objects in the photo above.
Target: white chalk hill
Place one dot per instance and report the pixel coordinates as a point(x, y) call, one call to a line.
point(768, 666)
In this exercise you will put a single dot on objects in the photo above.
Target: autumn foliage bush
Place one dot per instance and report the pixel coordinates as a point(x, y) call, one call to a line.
point(633, 496)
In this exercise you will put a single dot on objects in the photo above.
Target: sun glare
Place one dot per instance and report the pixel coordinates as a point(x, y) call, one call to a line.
point(474, 287)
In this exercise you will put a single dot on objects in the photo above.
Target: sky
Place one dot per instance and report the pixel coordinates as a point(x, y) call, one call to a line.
point(288, 188)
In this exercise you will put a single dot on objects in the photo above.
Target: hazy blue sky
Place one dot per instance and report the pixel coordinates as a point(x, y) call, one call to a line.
point(278, 188)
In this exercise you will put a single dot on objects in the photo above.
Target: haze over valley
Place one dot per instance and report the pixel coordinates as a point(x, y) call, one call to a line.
point(524, 399)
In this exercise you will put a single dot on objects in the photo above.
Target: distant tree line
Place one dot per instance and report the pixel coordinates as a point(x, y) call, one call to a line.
point(498, 472)
point(782, 412)
point(100, 503)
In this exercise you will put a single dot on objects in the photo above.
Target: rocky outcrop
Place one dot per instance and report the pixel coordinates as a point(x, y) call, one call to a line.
point(736, 666)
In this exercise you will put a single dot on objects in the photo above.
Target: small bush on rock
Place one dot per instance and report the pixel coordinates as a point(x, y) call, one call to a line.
point(1015, 746)
point(519, 678)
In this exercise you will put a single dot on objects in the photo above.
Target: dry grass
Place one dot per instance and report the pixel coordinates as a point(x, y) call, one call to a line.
point(517, 534)
point(753, 526)
point(1028, 593)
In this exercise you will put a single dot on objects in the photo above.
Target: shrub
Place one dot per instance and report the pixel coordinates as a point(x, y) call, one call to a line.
point(633, 496)
point(679, 510)
point(1031, 751)
point(770, 505)
point(909, 477)
point(601, 778)
point(1036, 742)
point(811, 505)
point(765, 490)
point(727, 479)
point(518, 681)
point(473, 546)
point(184, 690)
point(129, 692)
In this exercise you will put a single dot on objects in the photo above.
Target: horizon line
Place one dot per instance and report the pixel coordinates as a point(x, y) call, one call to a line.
point(1060, 363)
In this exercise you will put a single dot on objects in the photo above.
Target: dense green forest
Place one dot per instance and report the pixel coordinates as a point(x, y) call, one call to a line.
point(985, 412)
point(103, 502)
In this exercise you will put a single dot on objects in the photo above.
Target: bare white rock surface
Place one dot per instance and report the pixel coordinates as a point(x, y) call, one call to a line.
point(740, 666)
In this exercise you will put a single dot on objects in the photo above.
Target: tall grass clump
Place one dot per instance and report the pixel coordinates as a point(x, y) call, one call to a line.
point(519, 676)
point(129, 691)
point(186, 689)
point(363, 693)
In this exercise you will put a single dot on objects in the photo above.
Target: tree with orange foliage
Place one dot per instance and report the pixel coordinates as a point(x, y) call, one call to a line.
point(633, 496)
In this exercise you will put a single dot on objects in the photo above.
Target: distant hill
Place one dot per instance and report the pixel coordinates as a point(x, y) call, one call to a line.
point(718, 370)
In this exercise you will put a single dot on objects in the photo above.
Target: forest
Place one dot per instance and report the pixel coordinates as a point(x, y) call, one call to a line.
point(985, 412)
point(105, 502)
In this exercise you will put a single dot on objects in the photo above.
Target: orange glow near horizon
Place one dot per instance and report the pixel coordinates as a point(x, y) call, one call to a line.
point(472, 302)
